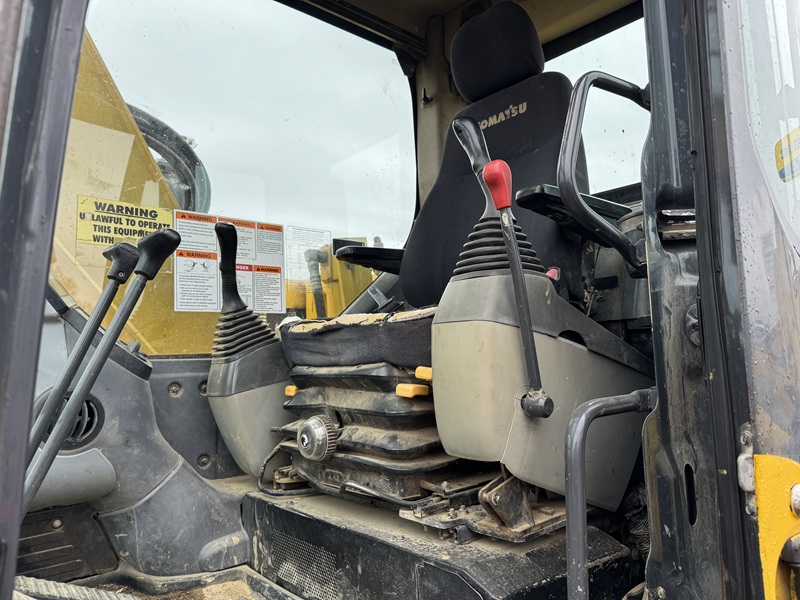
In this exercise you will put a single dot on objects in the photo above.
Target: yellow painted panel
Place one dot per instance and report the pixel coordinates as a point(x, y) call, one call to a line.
point(777, 523)
point(108, 160)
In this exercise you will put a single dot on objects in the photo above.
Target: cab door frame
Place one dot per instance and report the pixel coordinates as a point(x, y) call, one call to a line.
point(40, 43)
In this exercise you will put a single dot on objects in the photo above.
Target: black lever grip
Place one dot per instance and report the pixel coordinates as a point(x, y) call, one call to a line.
point(228, 242)
point(154, 249)
point(470, 136)
point(123, 257)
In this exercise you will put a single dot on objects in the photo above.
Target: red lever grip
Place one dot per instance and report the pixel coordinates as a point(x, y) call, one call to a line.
point(497, 176)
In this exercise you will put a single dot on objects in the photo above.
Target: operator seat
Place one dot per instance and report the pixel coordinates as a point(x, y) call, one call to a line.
point(497, 62)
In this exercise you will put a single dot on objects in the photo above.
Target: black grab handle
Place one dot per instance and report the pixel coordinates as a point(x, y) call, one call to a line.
point(154, 249)
point(568, 161)
point(123, 257)
point(469, 134)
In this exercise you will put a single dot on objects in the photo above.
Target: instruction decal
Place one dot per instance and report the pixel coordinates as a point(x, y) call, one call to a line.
point(106, 222)
point(197, 278)
point(260, 264)
point(298, 241)
point(787, 155)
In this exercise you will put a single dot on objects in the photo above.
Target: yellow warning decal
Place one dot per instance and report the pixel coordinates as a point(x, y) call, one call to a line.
point(105, 222)
point(787, 155)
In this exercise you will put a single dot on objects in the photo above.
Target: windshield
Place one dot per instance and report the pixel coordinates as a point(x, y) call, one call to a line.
point(614, 129)
point(299, 133)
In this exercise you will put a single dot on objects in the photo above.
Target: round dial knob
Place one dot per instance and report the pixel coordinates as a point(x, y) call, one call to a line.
point(316, 438)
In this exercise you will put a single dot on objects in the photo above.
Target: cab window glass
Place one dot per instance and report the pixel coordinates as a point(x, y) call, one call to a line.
point(771, 31)
point(251, 112)
point(614, 129)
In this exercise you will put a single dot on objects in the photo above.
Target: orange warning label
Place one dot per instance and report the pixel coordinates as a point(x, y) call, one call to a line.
point(194, 254)
point(244, 224)
point(268, 227)
point(265, 269)
point(195, 217)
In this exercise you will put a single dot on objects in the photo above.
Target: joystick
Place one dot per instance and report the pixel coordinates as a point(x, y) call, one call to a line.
point(248, 372)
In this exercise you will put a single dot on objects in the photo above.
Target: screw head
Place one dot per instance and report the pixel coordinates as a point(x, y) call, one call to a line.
point(174, 389)
point(57, 523)
point(796, 499)
point(203, 460)
point(203, 388)
point(751, 509)
point(495, 499)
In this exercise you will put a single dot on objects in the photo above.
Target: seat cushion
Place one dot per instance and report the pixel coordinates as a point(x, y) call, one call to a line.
point(402, 339)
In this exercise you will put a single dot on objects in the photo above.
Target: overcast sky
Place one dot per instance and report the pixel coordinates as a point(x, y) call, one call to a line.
point(299, 123)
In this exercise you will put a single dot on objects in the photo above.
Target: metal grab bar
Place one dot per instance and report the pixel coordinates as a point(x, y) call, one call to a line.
point(575, 458)
point(568, 160)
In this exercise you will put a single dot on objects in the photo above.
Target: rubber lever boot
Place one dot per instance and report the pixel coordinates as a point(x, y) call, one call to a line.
point(228, 242)
point(123, 257)
point(535, 401)
point(238, 328)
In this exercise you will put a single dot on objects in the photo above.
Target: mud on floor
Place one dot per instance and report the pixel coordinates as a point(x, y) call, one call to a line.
point(232, 590)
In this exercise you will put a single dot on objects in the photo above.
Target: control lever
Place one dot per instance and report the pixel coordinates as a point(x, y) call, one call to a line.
point(238, 327)
point(497, 176)
point(123, 257)
point(154, 249)
point(228, 242)
point(469, 134)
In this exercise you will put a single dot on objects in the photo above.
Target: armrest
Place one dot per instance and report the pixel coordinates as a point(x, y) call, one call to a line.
point(546, 200)
point(381, 259)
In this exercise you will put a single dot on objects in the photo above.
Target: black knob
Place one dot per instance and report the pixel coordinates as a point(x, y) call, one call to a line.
point(228, 242)
point(154, 249)
point(470, 136)
point(123, 257)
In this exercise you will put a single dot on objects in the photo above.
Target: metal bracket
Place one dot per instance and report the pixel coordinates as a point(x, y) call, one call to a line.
point(745, 470)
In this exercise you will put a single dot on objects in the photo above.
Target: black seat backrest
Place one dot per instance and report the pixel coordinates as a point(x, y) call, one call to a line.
point(497, 62)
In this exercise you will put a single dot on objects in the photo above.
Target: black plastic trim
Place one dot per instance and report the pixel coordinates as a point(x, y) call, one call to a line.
point(592, 31)
point(349, 18)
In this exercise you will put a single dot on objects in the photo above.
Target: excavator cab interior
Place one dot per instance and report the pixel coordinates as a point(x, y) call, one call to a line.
point(374, 299)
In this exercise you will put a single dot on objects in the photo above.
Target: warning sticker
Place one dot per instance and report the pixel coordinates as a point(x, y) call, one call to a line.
point(197, 231)
point(268, 284)
point(105, 222)
point(197, 278)
point(259, 264)
point(787, 155)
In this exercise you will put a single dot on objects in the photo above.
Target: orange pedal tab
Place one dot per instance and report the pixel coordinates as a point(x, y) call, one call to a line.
point(411, 390)
point(291, 390)
point(424, 373)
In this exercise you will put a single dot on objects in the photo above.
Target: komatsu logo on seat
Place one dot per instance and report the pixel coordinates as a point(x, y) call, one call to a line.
point(510, 112)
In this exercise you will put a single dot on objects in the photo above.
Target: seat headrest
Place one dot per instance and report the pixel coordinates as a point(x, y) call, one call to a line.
point(495, 50)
